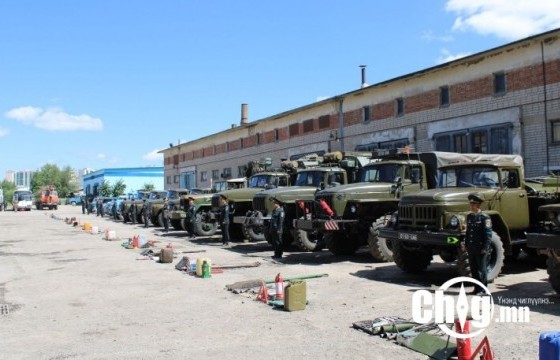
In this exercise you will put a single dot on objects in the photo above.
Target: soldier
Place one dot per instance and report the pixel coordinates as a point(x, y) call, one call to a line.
point(478, 239)
point(165, 214)
point(190, 211)
point(133, 210)
point(83, 205)
point(224, 219)
point(275, 228)
point(145, 214)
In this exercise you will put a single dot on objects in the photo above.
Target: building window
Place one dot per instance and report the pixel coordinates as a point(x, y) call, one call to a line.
point(175, 179)
point(259, 138)
point(276, 135)
point(308, 126)
point(391, 144)
point(241, 143)
point(499, 84)
point(241, 170)
point(400, 107)
point(203, 176)
point(556, 131)
point(169, 179)
point(366, 114)
point(493, 139)
point(215, 174)
point(444, 96)
point(294, 129)
point(324, 122)
point(227, 146)
point(227, 173)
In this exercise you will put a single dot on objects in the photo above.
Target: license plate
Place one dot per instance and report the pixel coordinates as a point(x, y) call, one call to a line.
point(410, 237)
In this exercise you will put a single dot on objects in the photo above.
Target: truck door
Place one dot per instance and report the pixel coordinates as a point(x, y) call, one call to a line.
point(514, 204)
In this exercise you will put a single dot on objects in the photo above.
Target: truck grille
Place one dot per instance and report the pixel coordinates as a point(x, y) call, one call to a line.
point(419, 216)
point(215, 201)
point(259, 204)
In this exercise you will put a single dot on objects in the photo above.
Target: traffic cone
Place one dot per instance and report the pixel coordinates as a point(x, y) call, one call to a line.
point(263, 294)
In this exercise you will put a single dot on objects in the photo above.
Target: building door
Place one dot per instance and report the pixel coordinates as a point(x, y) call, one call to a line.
point(188, 180)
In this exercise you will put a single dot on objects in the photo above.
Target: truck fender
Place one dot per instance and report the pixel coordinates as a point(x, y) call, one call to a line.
point(501, 228)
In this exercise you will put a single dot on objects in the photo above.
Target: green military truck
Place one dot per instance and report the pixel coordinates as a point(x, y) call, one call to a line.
point(241, 200)
point(139, 202)
point(155, 206)
point(546, 238)
point(126, 212)
point(205, 224)
point(434, 221)
point(333, 169)
point(348, 216)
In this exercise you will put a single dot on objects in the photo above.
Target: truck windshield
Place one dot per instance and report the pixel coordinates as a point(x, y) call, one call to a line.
point(380, 173)
point(309, 178)
point(24, 197)
point(476, 176)
point(172, 194)
point(261, 181)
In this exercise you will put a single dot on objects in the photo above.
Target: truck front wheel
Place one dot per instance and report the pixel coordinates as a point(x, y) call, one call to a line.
point(203, 227)
point(411, 259)
point(380, 248)
point(253, 233)
point(495, 260)
point(553, 269)
point(340, 244)
point(309, 240)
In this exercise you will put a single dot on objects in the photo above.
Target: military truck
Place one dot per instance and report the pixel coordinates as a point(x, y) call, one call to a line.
point(205, 224)
point(125, 211)
point(138, 200)
point(155, 206)
point(434, 221)
point(546, 237)
point(333, 169)
point(261, 177)
point(348, 216)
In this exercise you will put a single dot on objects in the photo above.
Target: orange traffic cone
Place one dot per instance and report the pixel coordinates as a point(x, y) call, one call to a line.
point(263, 294)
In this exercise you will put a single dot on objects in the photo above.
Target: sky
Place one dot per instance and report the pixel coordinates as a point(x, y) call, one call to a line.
point(109, 83)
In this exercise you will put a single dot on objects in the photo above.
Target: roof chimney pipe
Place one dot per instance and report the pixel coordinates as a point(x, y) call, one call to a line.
point(244, 114)
point(363, 67)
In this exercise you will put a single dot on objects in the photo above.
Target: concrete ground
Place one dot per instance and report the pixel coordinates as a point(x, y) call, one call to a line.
point(65, 294)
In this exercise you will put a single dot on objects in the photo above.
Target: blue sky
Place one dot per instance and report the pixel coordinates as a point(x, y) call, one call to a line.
point(104, 84)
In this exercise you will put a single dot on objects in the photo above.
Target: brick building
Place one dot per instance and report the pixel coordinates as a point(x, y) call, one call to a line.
point(503, 100)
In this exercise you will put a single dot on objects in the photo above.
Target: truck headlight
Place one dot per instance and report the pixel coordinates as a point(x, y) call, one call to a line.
point(394, 218)
point(453, 222)
point(353, 209)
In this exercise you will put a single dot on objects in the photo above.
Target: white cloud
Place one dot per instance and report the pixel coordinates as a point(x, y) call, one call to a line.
point(54, 119)
point(153, 156)
point(430, 36)
point(100, 156)
point(507, 19)
point(446, 56)
point(4, 131)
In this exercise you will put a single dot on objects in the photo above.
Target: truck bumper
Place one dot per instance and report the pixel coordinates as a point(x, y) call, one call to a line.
point(450, 238)
point(177, 215)
point(543, 240)
point(322, 224)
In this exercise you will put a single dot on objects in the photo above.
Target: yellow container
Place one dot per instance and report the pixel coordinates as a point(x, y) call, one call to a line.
point(199, 262)
point(295, 296)
point(87, 226)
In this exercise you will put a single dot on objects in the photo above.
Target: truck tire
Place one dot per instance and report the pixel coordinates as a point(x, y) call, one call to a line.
point(495, 262)
point(411, 259)
point(309, 240)
point(340, 244)
point(553, 269)
point(176, 224)
point(204, 228)
point(158, 220)
point(125, 217)
point(253, 233)
point(380, 248)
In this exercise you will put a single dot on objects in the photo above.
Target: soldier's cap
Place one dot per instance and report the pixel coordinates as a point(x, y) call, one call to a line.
point(475, 198)
point(223, 196)
point(190, 198)
point(273, 199)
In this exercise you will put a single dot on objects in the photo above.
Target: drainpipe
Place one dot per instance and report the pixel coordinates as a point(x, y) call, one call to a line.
point(341, 123)
point(545, 109)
